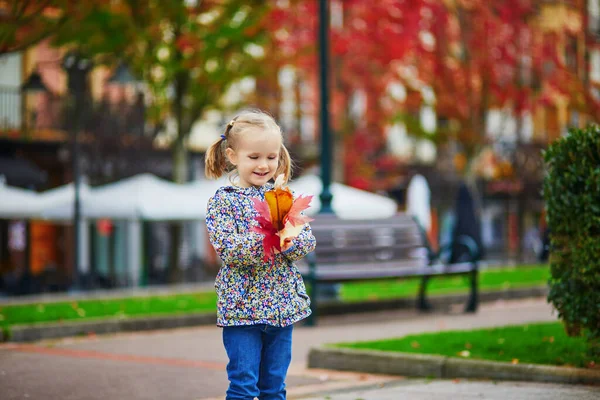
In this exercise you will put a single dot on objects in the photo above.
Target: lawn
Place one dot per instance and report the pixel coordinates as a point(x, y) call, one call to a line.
point(491, 279)
point(541, 343)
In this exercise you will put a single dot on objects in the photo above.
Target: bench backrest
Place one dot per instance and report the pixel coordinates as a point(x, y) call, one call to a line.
point(342, 241)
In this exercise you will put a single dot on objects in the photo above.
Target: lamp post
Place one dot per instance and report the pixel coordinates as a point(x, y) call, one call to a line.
point(32, 85)
point(77, 68)
point(326, 195)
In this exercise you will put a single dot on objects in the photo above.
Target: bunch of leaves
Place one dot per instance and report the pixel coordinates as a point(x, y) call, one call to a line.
point(24, 23)
point(280, 217)
point(188, 56)
point(572, 195)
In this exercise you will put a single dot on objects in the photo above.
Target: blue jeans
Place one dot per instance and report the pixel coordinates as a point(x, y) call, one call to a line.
point(259, 357)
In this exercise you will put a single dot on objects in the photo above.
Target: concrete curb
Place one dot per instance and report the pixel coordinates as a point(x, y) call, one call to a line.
point(424, 365)
point(29, 333)
point(34, 332)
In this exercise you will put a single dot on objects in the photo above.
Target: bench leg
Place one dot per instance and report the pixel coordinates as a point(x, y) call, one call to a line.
point(473, 301)
point(422, 303)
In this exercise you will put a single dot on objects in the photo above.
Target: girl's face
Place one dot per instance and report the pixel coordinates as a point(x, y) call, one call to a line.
point(256, 156)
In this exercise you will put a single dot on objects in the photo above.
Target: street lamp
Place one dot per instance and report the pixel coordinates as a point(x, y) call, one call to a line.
point(326, 195)
point(122, 75)
point(33, 85)
point(77, 68)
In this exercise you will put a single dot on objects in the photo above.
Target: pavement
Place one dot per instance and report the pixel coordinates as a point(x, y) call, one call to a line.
point(189, 363)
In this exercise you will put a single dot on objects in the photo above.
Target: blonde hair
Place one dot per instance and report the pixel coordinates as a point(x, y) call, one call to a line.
point(216, 163)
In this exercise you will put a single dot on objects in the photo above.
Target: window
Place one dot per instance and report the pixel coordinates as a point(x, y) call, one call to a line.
point(594, 16)
point(595, 66)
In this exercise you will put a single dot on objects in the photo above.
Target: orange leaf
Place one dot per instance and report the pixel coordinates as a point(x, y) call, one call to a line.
point(280, 202)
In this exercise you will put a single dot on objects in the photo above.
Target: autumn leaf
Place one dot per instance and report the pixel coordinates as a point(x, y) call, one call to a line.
point(279, 217)
point(294, 215)
point(265, 227)
point(280, 202)
point(290, 231)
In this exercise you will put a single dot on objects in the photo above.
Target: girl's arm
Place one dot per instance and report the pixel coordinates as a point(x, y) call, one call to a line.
point(303, 244)
point(233, 248)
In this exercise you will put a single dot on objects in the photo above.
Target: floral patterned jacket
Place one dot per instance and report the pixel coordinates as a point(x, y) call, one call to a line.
point(250, 290)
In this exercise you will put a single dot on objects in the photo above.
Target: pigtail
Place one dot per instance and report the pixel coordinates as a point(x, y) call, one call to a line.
point(285, 163)
point(215, 161)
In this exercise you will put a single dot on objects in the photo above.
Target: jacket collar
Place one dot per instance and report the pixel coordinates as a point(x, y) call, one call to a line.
point(250, 191)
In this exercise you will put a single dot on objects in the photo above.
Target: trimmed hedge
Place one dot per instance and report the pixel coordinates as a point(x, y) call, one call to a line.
point(572, 195)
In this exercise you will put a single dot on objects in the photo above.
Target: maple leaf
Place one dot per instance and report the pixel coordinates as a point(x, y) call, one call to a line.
point(280, 217)
point(280, 201)
point(271, 241)
point(289, 231)
point(265, 227)
point(294, 215)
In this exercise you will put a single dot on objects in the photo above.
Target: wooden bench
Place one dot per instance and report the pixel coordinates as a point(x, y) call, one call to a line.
point(397, 247)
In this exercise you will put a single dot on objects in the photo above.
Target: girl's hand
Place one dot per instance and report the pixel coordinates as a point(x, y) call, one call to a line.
point(287, 243)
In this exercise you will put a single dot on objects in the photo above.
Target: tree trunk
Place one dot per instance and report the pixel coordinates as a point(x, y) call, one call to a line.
point(180, 175)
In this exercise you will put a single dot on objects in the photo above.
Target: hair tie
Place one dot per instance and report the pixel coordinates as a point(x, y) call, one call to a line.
point(223, 137)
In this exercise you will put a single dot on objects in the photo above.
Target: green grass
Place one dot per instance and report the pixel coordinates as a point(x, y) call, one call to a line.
point(491, 279)
point(107, 308)
point(540, 343)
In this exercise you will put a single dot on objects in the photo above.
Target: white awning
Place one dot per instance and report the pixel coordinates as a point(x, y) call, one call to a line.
point(17, 203)
point(348, 202)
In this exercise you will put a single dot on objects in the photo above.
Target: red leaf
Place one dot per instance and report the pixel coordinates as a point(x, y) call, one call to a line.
point(265, 227)
point(299, 205)
point(270, 241)
point(262, 208)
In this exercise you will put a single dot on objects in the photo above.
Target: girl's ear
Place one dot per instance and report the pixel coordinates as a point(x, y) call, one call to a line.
point(231, 156)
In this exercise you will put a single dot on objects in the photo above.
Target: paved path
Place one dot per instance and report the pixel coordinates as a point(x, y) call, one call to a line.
point(189, 363)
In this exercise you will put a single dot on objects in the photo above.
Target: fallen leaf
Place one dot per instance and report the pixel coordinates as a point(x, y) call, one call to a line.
point(468, 346)
point(414, 344)
point(464, 353)
point(515, 361)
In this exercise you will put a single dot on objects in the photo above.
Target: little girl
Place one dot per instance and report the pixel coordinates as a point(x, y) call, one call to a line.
point(258, 301)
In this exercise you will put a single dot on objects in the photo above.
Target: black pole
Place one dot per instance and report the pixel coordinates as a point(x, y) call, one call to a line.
point(77, 68)
point(77, 203)
point(326, 155)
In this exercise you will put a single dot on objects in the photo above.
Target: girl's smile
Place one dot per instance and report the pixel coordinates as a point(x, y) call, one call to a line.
point(256, 156)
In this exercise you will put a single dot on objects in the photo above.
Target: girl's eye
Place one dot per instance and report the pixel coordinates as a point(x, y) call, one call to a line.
point(272, 158)
point(253, 157)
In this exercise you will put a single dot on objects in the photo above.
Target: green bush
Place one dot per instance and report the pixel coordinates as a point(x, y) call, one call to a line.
point(572, 194)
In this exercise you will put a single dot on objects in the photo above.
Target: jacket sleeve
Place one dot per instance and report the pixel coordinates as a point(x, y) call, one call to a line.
point(236, 249)
point(304, 243)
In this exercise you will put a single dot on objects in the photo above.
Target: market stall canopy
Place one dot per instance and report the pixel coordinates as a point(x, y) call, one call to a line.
point(61, 196)
point(17, 203)
point(348, 202)
point(144, 197)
